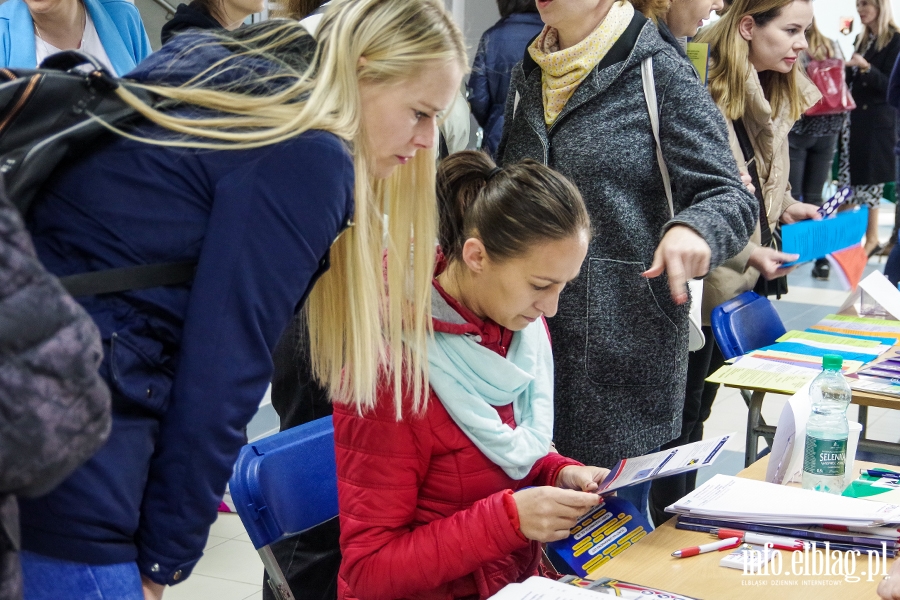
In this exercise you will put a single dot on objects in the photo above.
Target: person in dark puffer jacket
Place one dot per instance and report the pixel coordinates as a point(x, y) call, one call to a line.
point(209, 14)
point(54, 407)
point(499, 50)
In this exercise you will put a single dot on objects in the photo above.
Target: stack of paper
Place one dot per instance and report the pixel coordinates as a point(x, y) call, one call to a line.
point(879, 539)
point(820, 344)
point(747, 500)
point(796, 357)
point(887, 331)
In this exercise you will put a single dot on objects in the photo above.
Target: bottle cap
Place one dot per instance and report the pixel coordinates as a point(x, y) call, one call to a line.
point(832, 362)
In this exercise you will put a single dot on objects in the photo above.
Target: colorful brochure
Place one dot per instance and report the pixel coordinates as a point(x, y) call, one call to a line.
point(879, 489)
point(609, 529)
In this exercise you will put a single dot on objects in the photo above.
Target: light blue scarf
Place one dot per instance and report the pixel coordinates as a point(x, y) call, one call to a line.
point(469, 379)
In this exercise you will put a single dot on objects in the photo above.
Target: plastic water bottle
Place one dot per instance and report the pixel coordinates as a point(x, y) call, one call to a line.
point(827, 429)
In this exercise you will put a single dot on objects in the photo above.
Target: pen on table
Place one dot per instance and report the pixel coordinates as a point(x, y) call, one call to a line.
point(883, 473)
point(776, 541)
point(711, 547)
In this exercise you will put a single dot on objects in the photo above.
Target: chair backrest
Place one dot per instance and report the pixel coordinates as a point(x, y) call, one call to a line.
point(287, 482)
point(745, 323)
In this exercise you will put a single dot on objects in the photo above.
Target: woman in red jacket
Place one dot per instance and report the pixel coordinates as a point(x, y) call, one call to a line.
point(452, 499)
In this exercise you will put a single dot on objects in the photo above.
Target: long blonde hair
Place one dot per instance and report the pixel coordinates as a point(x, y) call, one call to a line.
point(820, 47)
point(360, 329)
point(730, 54)
point(884, 30)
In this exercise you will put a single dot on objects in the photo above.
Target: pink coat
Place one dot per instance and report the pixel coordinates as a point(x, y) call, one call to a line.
point(424, 514)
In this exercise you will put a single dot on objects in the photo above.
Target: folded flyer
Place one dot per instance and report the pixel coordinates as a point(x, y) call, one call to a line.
point(631, 471)
point(606, 531)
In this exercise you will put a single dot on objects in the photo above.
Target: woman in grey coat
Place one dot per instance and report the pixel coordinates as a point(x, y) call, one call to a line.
point(620, 337)
point(54, 407)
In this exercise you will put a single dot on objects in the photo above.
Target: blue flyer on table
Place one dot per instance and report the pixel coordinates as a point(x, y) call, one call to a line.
point(609, 529)
point(816, 239)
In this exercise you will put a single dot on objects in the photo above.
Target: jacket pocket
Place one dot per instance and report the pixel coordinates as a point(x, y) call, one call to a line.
point(630, 340)
point(137, 377)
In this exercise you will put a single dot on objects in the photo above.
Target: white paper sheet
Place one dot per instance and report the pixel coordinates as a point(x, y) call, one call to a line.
point(763, 502)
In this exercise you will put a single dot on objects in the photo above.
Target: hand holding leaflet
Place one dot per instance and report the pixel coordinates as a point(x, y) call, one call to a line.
point(815, 239)
point(631, 471)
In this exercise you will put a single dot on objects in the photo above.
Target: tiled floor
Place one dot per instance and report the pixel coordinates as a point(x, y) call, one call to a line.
point(231, 569)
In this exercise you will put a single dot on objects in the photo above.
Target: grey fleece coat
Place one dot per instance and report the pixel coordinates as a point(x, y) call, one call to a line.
point(54, 407)
point(619, 340)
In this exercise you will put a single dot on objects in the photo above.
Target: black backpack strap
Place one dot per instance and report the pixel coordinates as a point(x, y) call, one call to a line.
point(124, 279)
point(749, 158)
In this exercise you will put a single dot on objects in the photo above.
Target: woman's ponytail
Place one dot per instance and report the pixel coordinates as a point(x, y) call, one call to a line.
point(508, 209)
point(461, 178)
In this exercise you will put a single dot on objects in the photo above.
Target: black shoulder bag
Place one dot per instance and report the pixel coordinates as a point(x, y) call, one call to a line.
point(770, 239)
point(53, 113)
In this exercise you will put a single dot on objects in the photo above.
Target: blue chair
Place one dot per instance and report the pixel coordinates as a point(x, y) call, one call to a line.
point(283, 485)
point(741, 325)
point(745, 323)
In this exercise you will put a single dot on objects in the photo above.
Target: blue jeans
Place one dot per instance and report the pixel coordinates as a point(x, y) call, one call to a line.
point(47, 578)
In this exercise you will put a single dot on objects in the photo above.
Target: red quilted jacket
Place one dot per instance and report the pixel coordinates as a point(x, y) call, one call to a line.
point(424, 514)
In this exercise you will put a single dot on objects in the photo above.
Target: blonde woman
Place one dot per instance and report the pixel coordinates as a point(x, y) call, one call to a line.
point(760, 90)
point(260, 168)
point(868, 136)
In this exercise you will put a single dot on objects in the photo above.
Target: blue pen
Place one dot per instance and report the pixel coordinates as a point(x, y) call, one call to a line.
point(885, 474)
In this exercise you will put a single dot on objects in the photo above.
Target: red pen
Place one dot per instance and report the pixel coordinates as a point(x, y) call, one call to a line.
point(712, 547)
point(774, 541)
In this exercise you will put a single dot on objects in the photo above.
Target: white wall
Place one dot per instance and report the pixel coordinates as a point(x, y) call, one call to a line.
point(474, 17)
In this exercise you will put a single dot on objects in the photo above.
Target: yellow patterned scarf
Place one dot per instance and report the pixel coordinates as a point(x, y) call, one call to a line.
point(564, 70)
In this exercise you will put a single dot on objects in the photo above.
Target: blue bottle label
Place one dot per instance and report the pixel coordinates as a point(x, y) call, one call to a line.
point(824, 457)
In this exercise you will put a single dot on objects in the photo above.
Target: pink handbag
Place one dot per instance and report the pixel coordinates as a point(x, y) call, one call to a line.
point(828, 75)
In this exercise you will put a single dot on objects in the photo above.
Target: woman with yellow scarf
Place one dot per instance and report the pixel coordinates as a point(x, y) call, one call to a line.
point(580, 102)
